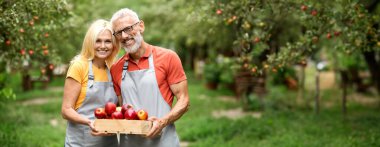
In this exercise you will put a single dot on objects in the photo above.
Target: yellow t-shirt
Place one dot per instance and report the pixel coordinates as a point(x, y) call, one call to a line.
point(78, 70)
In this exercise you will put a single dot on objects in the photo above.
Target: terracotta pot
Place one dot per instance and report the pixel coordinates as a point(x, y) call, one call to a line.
point(211, 85)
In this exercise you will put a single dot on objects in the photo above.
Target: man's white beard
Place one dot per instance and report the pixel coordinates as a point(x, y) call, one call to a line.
point(133, 49)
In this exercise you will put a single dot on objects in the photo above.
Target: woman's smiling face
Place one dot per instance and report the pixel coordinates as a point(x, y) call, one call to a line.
point(103, 45)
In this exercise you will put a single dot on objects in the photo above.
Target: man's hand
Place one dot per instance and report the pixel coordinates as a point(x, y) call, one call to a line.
point(158, 125)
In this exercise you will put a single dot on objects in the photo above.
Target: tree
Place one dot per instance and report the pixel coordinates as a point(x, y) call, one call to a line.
point(273, 34)
point(25, 37)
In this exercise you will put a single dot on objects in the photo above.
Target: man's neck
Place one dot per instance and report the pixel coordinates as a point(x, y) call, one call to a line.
point(140, 52)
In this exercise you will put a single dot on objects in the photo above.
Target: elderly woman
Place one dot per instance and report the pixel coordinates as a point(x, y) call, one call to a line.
point(88, 85)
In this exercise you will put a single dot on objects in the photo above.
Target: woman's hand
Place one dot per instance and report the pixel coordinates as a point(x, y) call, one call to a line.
point(95, 132)
point(90, 123)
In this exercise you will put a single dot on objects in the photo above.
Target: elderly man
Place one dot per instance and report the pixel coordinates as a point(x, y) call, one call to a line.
point(148, 77)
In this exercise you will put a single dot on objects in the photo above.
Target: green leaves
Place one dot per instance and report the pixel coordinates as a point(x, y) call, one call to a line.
point(27, 24)
point(25, 36)
point(287, 32)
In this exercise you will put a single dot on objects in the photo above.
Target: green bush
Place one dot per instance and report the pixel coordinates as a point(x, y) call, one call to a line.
point(212, 72)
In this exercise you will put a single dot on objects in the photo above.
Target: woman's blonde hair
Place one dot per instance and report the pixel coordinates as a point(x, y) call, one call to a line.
point(93, 32)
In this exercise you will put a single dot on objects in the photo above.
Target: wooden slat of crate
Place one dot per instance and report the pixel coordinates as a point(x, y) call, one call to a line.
point(123, 126)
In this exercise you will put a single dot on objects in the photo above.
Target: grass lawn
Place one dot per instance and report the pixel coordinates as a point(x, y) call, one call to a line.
point(28, 122)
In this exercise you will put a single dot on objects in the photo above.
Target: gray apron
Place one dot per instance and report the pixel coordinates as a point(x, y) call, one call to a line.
point(97, 95)
point(140, 89)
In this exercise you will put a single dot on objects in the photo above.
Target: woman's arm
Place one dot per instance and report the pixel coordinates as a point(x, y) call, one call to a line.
point(70, 95)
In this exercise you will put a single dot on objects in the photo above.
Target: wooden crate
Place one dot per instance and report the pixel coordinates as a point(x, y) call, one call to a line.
point(123, 126)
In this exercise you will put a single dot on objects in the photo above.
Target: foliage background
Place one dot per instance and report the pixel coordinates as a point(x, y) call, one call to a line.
point(228, 35)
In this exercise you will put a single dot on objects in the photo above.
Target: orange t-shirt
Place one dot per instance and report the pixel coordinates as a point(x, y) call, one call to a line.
point(78, 70)
point(167, 65)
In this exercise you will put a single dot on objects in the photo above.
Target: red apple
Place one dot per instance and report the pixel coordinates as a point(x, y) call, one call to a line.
point(328, 36)
point(31, 23)
point(110, 108)
point(22, 51)
point(45, 52)
point(51, 66)
point(31, 52)
point(8, 42)
point(130, 114)
point(256, 40)
point(314, 12)
point(219, 11)
point(125, 107)
point(303, 7)
point(100, 113)
point(142, 114)
point(117, 115)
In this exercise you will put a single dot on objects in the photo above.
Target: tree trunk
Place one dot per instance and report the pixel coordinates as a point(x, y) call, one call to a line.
point(317, 93)
point(356, 79)
point(49, 72)
point(301, 89)
point(26, 82)
point(370, 56)
point(345, 79)
point(373, 65)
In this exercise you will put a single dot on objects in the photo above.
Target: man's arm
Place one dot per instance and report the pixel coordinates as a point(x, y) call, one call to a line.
point(183, 103)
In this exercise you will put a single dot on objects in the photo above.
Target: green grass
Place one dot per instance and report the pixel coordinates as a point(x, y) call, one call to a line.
point(29, 125)
point(39, 93)
point(282, 123)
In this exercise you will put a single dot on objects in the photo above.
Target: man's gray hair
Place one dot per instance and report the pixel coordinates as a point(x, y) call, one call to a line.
point(124, 12)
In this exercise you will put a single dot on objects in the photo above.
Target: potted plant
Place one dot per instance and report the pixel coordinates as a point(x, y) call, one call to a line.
point(211, 74)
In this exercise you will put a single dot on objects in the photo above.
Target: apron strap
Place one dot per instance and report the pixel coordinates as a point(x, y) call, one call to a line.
point(125, 69)
point(109, 77)
point(151, 65)
point(91, 76)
